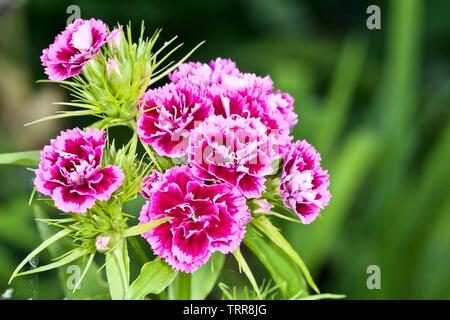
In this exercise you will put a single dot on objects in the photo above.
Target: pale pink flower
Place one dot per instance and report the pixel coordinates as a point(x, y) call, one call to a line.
point(262, 206)
point(304, 184)
point(115, 38)
point(102, 243)
point(284, 103)
point(80, 42)
point(204, 74)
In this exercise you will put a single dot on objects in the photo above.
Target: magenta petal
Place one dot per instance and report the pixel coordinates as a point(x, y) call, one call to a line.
point(168, 198)
point(234, 150)
point(149, 183)
point(161, 240)
point(190, 249)
point(68, 201)
point(39, 183)
point(169, 113)
point(205, 218)
point(112, 179)
point(251, 186)
point(307, 212)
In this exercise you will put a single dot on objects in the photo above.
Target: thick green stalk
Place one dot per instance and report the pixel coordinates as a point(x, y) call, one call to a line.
point(117, 271)
point(181, 287)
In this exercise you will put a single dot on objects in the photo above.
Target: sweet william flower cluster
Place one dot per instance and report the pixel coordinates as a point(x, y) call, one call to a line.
point(232, 127)
point(204, 218)
point(219, 150)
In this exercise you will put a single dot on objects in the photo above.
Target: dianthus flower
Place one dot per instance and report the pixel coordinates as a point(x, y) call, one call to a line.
point(304, 184)
point(80, 42)
point(169, 113)
point(70, 171)
point(244, 94)
point(234, 150)
point(205, 218)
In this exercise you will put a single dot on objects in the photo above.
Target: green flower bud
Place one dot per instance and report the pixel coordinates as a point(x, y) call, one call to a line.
point(106, 241)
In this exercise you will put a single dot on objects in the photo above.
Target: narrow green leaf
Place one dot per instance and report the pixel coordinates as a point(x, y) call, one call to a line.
point(323, 296)
point(142, 228)
point(165, 45)
point(95, 287)
point(204, 279)
point(88, 265)
point(169, 70)
point(243, 266)
point(25, 158)
point(273, 234)
point(76, 105)
point(285, 273)
point(66, 114)
point(32, 196)
point(68, 83)
point(155, 276)
point(61, 234)
point(72, 256)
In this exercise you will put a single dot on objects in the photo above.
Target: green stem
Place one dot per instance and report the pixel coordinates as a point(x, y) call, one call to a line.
point(180, 289)
point(184, 289)
point(149, 151)
point(138, 249)
point(282, 216)
point(117, 271)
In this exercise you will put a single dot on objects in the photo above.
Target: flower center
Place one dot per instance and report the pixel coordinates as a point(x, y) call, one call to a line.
point(193, 217)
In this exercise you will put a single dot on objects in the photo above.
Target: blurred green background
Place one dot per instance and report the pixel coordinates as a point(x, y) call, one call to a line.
point(374, 102)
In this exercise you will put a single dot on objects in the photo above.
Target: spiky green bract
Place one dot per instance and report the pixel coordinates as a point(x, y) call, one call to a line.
point(135, 168)
point(110, 85)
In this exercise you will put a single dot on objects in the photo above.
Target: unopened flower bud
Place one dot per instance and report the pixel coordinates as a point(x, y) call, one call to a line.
point(105, 242)
point(262, 206)
point(112, 67)
point(115, 38)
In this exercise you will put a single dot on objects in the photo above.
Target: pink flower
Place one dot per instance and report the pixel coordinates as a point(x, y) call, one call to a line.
point(168, 115)
point(73, 48)
point(244, 94)
point(234, 150)
point(70, 171)
point(220, 72)
point(205, 218)
point(284, 103)
point(149, 182)
point(254, 103)
point(304, 184)
point(204, 74)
